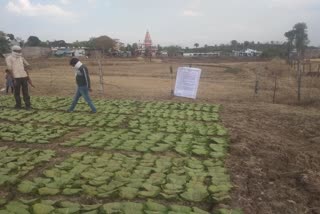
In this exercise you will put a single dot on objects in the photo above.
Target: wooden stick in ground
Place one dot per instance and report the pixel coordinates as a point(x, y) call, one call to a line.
point(101, 77)
point(299, 81)
point(275, 88)
point(256, 86)
point(310, 67)
point(171, 77)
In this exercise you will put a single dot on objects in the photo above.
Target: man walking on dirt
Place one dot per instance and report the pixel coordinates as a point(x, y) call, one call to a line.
point(18, 66)
point(83, 83)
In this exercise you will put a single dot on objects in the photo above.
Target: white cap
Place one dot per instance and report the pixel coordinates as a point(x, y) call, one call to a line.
point(16, 48)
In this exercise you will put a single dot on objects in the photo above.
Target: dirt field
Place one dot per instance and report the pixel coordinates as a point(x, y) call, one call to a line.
point(274, 156)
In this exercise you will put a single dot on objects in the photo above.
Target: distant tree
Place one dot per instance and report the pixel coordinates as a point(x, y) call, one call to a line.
point(4, 43)
point(11, 36)
point(129, 48)
point(246, 44)
point(103, 43)
point(135, 48)
point(44, 44)
point(301, 38)
point(196, 45)
point(252, 45)
point(234, 43)
point(33, 41)
point(159, 50)
point(173, 50)
point(62, 43)
point(78, 44)
point(272, 52)
point(290, 38)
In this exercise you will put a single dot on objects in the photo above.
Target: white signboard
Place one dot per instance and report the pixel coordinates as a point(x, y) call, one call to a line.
point(187, 82)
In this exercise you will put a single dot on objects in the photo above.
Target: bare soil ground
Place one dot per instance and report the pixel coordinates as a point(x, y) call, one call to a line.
point(274, 158)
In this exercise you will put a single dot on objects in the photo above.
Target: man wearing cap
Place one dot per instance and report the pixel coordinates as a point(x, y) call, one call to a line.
point(18, 66)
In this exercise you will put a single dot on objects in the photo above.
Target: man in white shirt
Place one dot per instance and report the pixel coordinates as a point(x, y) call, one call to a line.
point(17, 66)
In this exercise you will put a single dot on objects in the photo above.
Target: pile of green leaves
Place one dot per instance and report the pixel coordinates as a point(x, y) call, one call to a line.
point(114, 106)
point(149, 141)
point(15, 163)
point(63, 118)
point(30, 133)
point(38, 206)
point(179, 106)
point(62, 104)
point(133, 176)
point(180, 115)
point(176, 126)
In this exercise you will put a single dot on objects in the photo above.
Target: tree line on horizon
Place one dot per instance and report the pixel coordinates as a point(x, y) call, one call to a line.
point(297, 38)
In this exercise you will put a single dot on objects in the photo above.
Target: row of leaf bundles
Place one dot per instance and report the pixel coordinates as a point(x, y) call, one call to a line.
point(47, 102)
point(176, 126)
point(60, 103)
point(15, 163)
point(7, 101)
point(180, 106)
point(178, 114)
point(14, 115)
point(37, 206)
point(148, 141)
point(133, 176)
point(78, 119)
point(63, 118)
point(56, 103)
point(30, 133)
point(38, 102)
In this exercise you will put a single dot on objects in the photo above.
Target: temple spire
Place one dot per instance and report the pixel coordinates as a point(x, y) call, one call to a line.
point(147, 40)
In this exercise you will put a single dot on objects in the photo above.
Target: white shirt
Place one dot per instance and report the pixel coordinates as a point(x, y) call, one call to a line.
point(15, 63)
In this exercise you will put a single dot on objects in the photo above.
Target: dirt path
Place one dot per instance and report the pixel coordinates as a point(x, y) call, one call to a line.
point(274, 157)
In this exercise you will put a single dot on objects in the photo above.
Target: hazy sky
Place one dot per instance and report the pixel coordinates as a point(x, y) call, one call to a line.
point(179, 22)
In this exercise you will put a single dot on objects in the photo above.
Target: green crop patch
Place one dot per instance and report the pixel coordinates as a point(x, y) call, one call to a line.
point(38, 206)
point(62, 104)
point(141, 157)
point(16, 163)
point(145, 176)
point(180, 115)
point(179, 106)
point(176, 126)
point(30, 133)
point(63, 118)
point(149, 141)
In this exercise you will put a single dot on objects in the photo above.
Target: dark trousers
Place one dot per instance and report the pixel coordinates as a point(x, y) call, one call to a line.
point(7, 89)
point(21, 83)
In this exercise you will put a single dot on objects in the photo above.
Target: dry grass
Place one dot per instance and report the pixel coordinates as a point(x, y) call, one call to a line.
point(140, 79)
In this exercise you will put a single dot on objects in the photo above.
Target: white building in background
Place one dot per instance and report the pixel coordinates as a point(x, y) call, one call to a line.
point(248, 52)
point(164, 53)
point(79, 52)
point(209, 54)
